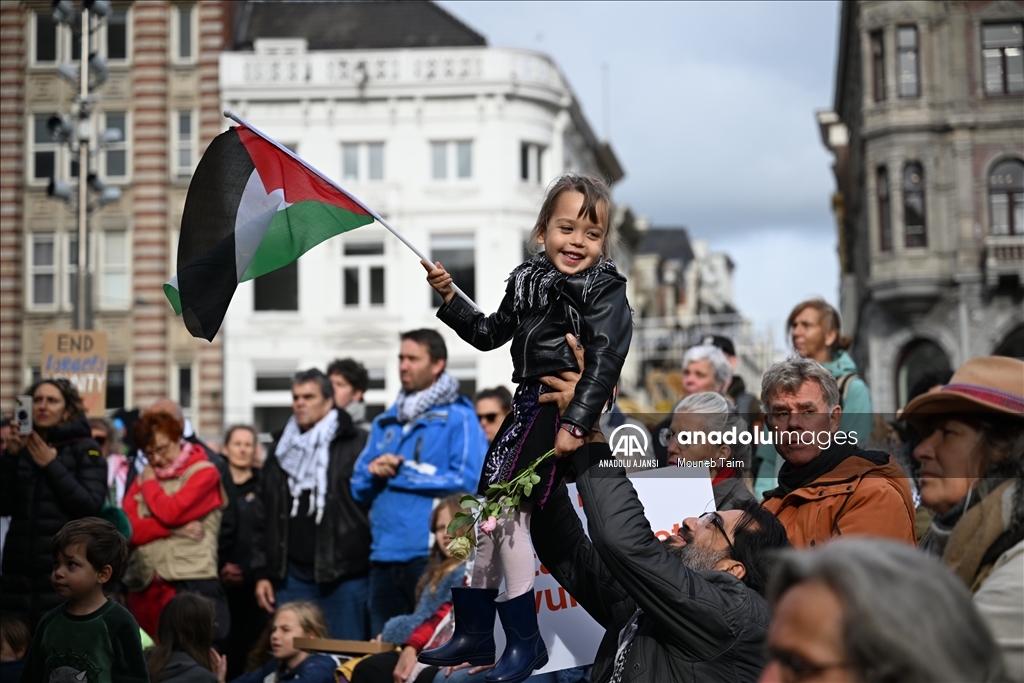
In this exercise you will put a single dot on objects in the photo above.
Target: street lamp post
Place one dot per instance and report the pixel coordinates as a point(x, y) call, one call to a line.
point(83, 319)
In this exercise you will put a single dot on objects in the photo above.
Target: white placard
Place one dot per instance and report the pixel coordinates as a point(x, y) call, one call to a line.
point(669, 496)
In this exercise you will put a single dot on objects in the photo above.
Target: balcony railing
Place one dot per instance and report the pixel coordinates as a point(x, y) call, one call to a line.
point(1004, 255)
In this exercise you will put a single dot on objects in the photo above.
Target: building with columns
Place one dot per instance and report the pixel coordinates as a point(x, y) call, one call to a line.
point(928, 137)
point(452, 141)
point(162, 94)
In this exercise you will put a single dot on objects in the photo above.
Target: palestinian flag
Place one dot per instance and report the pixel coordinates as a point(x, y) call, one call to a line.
point(251, 208)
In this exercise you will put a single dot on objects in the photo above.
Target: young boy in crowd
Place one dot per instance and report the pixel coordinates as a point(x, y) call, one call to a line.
point(14, 640)
point(88, 634)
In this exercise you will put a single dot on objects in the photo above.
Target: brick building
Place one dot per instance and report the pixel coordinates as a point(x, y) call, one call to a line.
point(163, 94)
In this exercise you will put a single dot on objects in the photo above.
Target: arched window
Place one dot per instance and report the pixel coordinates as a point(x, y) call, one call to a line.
point(884, 212)
point(1006, 197)
point(919, 358)
point(915, 231)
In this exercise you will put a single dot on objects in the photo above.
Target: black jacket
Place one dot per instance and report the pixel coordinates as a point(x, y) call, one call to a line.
point(40, 501)
point(696, 626)
point(602, 321)
point(342, 543)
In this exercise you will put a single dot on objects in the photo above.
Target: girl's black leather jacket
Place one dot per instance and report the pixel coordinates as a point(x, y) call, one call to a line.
point(602, 320)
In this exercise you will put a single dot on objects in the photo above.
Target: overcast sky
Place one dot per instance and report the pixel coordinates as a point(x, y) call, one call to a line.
point(711, 113)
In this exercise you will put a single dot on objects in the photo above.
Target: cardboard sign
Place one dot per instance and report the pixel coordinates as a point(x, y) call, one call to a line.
point(571, 635)
point(81, 357)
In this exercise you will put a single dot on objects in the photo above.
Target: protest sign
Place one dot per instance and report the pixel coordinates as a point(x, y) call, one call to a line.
point(81, 357)
point(571, 635)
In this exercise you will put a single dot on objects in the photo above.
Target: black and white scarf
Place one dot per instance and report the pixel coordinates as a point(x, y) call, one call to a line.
point(304, 457)
point(533, 279)
point(442, 392)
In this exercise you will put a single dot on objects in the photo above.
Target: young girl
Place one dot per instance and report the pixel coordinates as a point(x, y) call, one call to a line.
point(430, 622)
point(569, 286)
point(296, 619)
point(185, 653)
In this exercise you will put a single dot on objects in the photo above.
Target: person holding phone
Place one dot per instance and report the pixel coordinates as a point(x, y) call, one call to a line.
point(49, 476)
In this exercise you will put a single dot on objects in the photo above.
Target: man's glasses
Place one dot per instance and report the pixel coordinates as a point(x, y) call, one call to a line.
point(715, 520)
point(796, 669)
point(487, 417)
point(666, 436)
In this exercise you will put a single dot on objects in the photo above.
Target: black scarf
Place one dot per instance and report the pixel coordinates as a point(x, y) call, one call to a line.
point(793, 478)
point(533, 279)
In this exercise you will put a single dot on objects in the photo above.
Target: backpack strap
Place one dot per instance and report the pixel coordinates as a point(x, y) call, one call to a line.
point(844, 386)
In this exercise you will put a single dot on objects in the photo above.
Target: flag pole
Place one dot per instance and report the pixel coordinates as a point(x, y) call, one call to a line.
point(239, 120)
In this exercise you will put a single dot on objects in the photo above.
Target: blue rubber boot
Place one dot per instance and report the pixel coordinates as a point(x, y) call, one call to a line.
point(473, 639)
point(524, 648)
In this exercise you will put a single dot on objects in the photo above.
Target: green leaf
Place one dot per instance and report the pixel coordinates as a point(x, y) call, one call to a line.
point(535, 479)
point(527, 490)
point(469, 502)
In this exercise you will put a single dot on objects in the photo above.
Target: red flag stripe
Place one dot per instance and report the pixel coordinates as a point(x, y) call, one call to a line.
point(278, 170)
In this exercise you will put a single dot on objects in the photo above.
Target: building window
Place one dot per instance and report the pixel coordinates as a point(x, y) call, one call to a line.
point(44, 149)
point(45, 37)
point(185, 386)
point(1003, 53)
point(278, 290)
point(457, 253)
point(878, 65)
point(914, 225)
point(43, 273)
point(451, 159)
point(362, 161)
point(71, 274)
point(918, 359)
point(1006, 197)
point(115, 154)
point(909, 82)
point(884, 226)
point(183, 33)
point(531, 162)
point(465, 373)
point(184, 154)
point(117, 36)
point(363, 274)
point(273, 381)
point(113, 269)
point(115, 387)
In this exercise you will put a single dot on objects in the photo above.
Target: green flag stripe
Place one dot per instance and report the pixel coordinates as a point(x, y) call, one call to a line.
point(173, 295)
point(296, 230)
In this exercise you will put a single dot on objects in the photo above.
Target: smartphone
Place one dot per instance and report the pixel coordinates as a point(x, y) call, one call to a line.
point(23, 414)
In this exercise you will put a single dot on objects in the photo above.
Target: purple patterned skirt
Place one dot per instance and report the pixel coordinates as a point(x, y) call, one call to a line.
point(527, 433)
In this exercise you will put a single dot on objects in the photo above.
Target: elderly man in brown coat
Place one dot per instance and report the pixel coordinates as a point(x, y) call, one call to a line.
point(828, 486)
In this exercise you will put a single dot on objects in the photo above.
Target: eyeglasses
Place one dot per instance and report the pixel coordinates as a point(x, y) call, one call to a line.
point(159, 450)
point(796, 669)
point(715, 520)
point(666, 436)
point(487, 417)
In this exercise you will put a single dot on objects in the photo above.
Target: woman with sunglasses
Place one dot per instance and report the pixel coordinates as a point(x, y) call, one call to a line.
point(48, 477)
point(175, 508)
point(492, 405)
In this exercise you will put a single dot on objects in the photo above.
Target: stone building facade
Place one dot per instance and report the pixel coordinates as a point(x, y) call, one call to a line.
point(928, 136)
point(162, 93)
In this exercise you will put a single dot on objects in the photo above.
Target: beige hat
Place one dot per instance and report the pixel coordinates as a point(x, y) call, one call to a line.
point(988, 384)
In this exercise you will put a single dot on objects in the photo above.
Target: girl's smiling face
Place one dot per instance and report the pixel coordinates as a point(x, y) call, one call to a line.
point(571, 241)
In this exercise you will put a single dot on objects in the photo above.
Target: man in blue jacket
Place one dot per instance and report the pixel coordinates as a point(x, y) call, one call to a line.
point(428, 445)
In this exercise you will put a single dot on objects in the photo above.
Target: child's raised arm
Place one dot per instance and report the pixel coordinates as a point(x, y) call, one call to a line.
point(439, 279)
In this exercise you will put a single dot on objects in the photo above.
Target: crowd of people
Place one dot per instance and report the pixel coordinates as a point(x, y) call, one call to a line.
point(143, 554)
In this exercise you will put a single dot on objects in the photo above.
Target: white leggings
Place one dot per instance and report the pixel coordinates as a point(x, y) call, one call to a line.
point(506, 552)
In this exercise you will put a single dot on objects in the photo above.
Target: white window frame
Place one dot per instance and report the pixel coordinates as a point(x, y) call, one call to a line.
point(179, 172)
point(534, 162)
point(191, 411)
point(102, 36)
point(33, 26)
point(104, 268)
point(175, 24)
point(362, 170)
point(451, 169)
point(115, 147)
point(61, 154)
point(364, 264)
point(32, 270)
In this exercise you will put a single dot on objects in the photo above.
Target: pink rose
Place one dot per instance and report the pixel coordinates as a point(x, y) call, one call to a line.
point(490, 525)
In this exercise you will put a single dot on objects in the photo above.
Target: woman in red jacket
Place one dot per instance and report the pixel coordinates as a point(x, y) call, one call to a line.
point(175, 507)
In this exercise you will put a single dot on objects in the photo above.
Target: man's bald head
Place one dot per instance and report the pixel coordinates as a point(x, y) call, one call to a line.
point(169, 407)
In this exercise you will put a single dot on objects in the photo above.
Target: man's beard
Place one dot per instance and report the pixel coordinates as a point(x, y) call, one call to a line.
point(697, 557)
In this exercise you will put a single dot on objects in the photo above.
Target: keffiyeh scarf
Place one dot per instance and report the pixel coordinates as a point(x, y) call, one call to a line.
point(304, 457)
point(442, 392)
point(533, 279)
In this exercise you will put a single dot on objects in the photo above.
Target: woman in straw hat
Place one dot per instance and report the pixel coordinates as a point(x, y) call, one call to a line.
point(972, 478)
